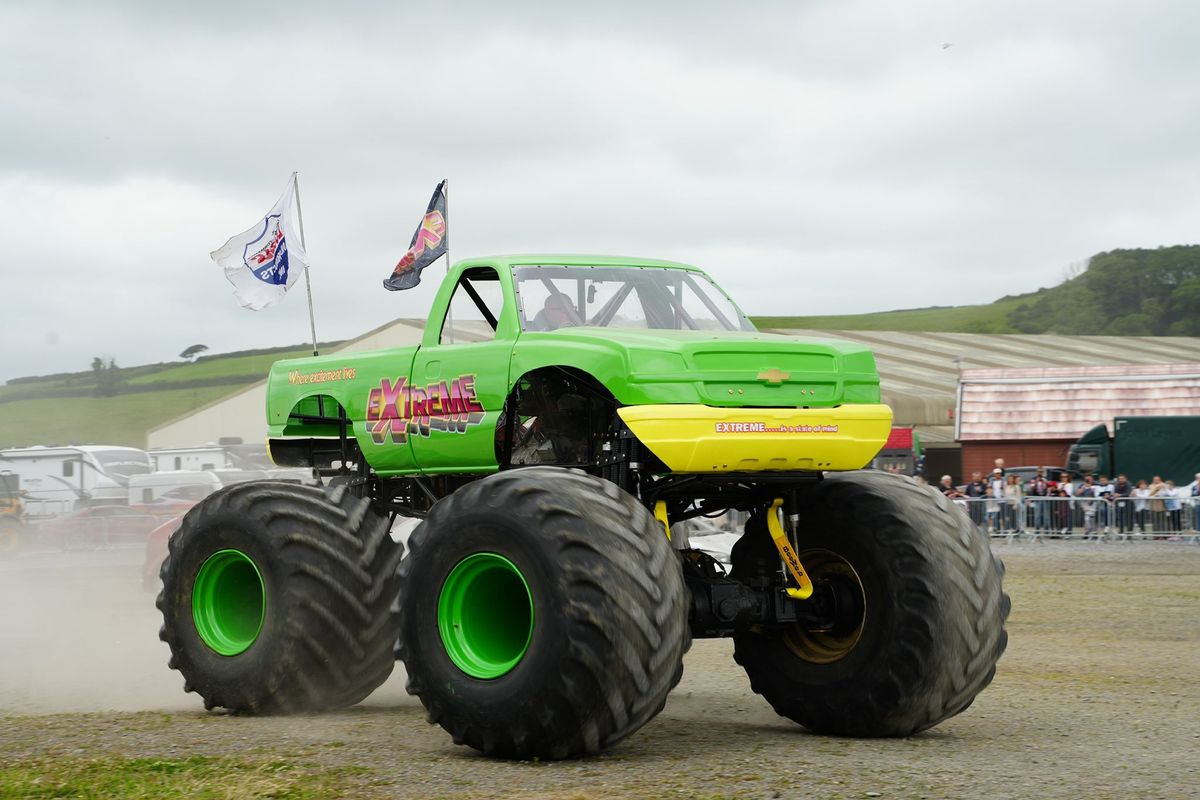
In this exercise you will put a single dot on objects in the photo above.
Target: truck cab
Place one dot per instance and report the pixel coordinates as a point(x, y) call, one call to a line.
point(1091, 454)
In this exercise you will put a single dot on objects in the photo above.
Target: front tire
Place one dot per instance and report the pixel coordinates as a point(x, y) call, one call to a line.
point(542, 614)
point(920, 612)
point(276, 598)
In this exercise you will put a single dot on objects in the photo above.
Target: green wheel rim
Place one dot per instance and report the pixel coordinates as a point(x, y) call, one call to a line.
point(485, 615)
point(229, 602)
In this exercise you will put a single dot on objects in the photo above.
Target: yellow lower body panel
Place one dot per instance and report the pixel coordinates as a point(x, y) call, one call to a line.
point(696, 438)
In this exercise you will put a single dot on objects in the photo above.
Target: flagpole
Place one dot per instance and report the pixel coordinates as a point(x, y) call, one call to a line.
point(446, 221)
point(312, 323)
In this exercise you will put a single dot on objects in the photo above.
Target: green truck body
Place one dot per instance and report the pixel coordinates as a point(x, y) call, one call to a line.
point(435, 408)
point(1140, 448)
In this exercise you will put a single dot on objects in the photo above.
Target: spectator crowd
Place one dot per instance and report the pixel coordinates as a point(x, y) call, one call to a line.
point(1059, 504)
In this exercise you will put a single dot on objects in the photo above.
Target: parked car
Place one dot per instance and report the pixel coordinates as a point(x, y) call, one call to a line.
point(1026, 474)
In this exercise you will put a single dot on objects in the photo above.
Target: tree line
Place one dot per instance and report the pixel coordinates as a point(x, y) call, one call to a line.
point(1121, 293)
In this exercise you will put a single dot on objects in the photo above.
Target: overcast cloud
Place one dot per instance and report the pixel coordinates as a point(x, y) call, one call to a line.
point(814, 157)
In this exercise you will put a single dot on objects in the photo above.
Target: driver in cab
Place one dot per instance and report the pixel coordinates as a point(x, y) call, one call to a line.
point(557, 312)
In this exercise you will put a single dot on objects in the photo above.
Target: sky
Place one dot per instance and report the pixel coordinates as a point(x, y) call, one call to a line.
point(814, 156)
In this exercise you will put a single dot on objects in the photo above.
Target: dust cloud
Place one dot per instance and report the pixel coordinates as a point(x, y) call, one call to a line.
point(79, 633)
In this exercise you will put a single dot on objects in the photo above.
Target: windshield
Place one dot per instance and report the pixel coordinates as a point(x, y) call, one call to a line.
point(623, 297)
point(123, 463)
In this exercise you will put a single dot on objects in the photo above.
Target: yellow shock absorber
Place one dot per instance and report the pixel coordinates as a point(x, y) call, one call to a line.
point(660, 514)
point(788, 554)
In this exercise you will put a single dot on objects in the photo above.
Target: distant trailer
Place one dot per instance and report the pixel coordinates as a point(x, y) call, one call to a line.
point(199, 459)
point(57, 480)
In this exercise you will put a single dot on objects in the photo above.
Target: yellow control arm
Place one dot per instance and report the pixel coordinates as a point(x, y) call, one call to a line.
point(779, 536)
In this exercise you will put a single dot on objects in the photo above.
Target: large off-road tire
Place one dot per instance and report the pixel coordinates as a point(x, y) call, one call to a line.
point(542, 613)
point(276, 598)
point(920, 621)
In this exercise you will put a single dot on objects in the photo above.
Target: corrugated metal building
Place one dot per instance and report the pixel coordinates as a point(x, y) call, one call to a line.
point(1032, 415)
point(920, 371)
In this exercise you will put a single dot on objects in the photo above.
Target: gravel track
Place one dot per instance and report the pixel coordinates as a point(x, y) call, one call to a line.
point(1096, 697)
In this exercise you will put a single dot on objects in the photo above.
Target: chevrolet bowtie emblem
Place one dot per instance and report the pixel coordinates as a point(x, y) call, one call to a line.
point(774, 376)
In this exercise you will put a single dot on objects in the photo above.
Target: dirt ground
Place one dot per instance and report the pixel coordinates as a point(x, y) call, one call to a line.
point(1098, 696)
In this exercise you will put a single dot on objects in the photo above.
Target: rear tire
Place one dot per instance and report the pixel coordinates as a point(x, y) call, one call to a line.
point(276, 598)
point(920, 623)
point(542, 614)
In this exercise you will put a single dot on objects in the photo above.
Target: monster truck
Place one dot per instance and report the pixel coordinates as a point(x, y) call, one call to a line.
point(561, 415)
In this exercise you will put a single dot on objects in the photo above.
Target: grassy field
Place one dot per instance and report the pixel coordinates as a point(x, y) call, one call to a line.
point(37, 412)
point(194, 778)
point(124, 419)
point(990, 318)
point(255, 366)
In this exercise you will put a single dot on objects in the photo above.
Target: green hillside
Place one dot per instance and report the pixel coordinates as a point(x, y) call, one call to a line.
point(121, 419)
point(967, 319)
point(115, 405)
point(1121, 293)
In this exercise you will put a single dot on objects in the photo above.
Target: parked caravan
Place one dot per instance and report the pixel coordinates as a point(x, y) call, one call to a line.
point(227, 453)
point(58, 480)
point(173, 459)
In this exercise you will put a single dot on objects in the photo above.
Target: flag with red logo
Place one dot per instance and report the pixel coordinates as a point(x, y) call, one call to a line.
point(429, 243)
point(264, 261)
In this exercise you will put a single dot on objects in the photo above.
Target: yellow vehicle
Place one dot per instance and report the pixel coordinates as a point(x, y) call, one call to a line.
point(12, 513)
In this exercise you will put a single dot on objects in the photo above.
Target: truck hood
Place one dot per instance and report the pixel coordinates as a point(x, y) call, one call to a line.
point(728, 368)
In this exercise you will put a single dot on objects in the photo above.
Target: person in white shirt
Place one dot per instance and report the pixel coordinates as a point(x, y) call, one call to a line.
point(1104, 490)
point(1140, 493)
point(996, 485)
point(1087, 493)
point(1066, 507)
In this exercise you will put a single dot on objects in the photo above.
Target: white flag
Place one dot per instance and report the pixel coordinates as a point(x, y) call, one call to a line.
point(264, 261)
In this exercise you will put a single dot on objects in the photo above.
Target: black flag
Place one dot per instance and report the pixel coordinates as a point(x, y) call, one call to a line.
point(429, 244)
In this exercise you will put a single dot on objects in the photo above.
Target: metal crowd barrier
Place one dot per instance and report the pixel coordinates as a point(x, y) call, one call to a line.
point(1120, 519)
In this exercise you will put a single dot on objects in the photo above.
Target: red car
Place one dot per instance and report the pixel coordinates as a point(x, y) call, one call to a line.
point(156, 551)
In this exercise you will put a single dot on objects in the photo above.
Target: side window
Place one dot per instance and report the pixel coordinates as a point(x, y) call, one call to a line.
point(68, 469)
point(468, 320)
point(178, 462)
point(147, 495)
